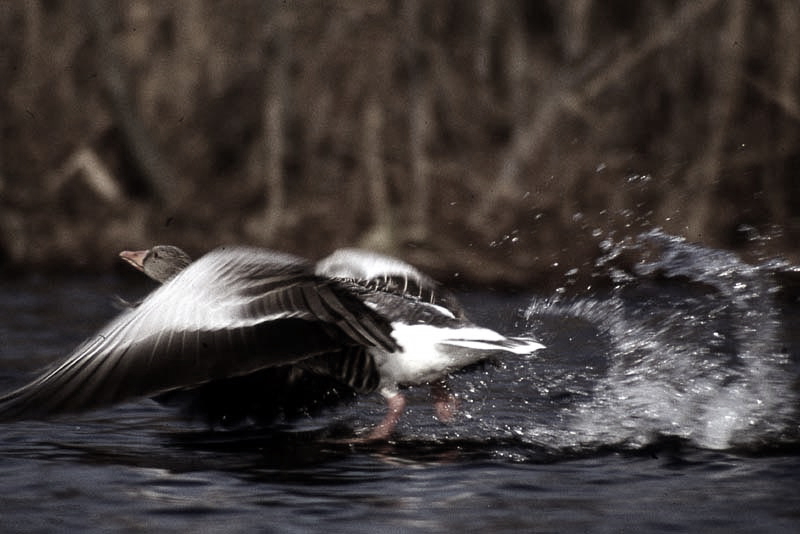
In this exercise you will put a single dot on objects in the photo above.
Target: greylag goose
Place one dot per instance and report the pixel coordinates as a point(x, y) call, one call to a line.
point(367, 320)
point(431, 327)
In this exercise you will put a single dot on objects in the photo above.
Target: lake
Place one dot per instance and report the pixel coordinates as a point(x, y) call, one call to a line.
point(667, 402)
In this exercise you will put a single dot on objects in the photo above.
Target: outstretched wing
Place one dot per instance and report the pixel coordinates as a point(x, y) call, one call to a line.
point(232, 312)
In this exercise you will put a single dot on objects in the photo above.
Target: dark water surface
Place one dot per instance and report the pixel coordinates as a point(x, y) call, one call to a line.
point(668, 403)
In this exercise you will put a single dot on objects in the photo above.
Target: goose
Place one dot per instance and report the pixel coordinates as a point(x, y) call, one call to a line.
point(367, 320)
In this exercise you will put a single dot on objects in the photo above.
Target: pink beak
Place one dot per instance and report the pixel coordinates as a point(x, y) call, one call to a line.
point(134, 257)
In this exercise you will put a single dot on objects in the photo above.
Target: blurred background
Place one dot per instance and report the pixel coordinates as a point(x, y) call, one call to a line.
point(498, 143)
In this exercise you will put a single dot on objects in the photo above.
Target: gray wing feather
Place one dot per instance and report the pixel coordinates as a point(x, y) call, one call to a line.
point(378, 274)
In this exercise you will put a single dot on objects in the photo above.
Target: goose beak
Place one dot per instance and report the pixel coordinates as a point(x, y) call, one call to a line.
point(134, 257)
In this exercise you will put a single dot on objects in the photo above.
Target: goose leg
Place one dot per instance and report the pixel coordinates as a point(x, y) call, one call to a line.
point(396, 405)
point(445, 403)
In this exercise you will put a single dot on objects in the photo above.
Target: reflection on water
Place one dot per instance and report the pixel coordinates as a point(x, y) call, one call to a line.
point(667, 401)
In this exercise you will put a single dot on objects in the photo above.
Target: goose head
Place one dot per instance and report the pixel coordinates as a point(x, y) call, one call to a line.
point(160, 263)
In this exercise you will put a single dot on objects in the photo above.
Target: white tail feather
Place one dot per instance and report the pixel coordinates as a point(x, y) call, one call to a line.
point(517, 345)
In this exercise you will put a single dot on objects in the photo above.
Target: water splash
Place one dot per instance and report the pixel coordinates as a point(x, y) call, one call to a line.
point(692, 342)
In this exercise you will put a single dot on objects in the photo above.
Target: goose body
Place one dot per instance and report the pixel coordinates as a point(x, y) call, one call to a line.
point(358, 318)
point(433, 334)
